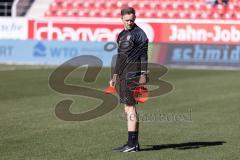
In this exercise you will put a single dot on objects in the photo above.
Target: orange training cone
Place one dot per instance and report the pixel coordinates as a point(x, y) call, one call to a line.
point(141, 94)
point(110, 90)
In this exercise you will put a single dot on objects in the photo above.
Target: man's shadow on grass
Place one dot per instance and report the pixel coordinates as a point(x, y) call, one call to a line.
point(182, 146)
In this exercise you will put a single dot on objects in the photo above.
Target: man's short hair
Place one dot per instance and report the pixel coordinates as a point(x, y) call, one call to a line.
point(127, 10)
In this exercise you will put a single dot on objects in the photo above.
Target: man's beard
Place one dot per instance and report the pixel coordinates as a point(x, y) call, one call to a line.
point(129, 27)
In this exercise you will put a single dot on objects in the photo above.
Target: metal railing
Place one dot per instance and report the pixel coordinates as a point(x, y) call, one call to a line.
point(15, 8)
point(5, 8)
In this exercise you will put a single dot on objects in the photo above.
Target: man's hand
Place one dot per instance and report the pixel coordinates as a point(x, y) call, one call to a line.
point(142, 79)
point(112, 82)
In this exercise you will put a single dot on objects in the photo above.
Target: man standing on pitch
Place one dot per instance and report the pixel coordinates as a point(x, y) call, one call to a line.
point(130, 71)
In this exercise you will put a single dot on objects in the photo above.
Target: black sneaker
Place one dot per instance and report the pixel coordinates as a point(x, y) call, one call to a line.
point(137, 148)
point(128, 149)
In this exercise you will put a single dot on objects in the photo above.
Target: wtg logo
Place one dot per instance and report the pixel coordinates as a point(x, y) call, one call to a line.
point(39, 50)
point(54, 51)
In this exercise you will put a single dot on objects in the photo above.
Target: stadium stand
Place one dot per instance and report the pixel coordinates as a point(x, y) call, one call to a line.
point(145, 9)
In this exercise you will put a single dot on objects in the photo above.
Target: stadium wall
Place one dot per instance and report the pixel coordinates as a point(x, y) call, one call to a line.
point(51, 52)
point(175, 43)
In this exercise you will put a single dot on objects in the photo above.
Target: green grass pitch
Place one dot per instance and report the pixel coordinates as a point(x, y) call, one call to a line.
point(205, 101)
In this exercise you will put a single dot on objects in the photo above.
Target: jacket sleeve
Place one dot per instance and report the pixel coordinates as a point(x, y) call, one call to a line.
point(117, 60)
point(117, 65)
point(144, 55)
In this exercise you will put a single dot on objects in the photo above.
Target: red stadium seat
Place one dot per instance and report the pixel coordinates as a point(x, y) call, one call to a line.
point(144, 9)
